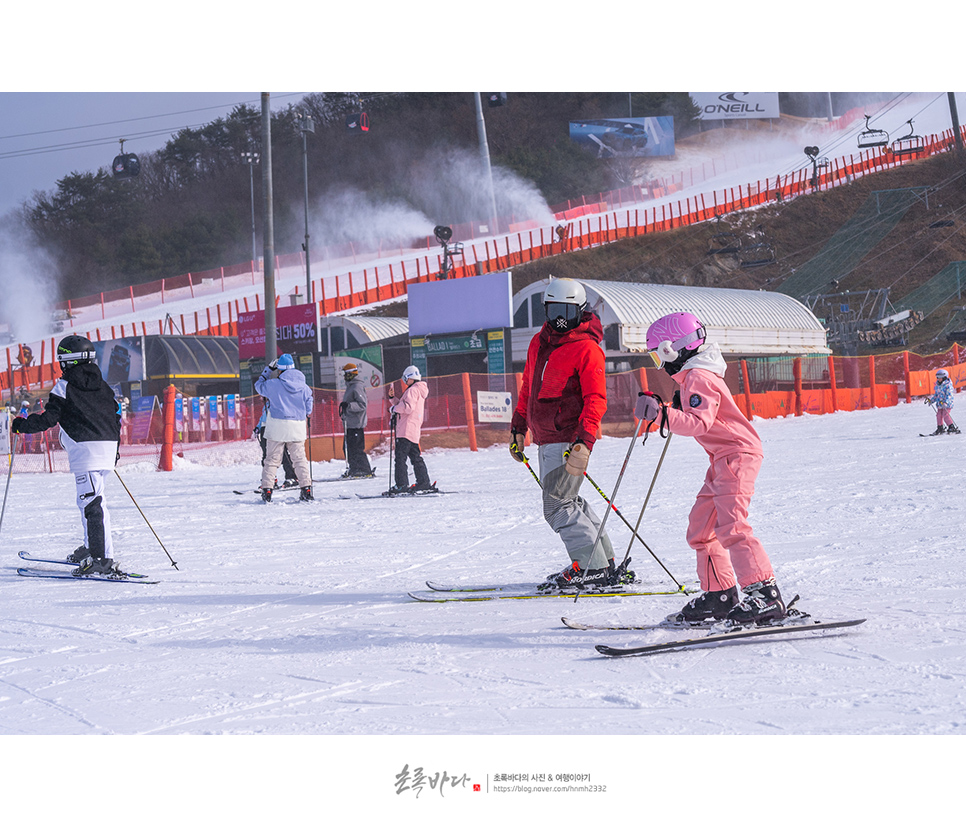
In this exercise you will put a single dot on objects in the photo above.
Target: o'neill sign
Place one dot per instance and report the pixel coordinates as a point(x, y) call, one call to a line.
point(737, 105)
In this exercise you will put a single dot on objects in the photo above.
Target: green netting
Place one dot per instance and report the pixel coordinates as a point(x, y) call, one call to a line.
point(942, 288)
point(852, 242)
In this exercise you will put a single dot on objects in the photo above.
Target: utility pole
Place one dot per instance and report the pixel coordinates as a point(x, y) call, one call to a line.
point(485, 155)
point(955, 116)
point(271, 348)
point(306, 126)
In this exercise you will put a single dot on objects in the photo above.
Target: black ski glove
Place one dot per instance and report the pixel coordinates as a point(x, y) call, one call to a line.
point(19, 425)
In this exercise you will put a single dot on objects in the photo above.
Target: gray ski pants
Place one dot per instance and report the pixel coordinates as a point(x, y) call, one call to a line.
point(567, 513)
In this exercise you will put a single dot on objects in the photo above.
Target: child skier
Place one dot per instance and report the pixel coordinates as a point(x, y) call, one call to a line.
point(408, 413)
point(942, 399)
point(90, 430)
point(728, 553)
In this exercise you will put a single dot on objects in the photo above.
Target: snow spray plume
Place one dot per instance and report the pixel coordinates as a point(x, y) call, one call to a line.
point(453, 185)
point(351, 216)
point(27, 289)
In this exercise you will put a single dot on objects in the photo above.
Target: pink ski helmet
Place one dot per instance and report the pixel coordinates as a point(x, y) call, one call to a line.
point(675, 338)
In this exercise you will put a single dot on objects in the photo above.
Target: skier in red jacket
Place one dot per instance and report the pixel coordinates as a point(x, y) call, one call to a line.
point(562, 401)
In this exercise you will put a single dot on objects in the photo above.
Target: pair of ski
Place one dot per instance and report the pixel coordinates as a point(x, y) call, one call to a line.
point(340, 479)
point(409, 493)
point(794, 623)
point(50, 573)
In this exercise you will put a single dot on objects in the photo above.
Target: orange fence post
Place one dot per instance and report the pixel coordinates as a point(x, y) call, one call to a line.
point(167, 445)
point(468, 402)
point(747, 384)
point(797, 371)
point(832, 384)
point(871, 382)
point(906, 375)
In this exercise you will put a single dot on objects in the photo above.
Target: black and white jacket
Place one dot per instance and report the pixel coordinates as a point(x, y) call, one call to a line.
point(83, 404)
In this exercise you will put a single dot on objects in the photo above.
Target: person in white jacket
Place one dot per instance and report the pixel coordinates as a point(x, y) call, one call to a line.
point(290, 404)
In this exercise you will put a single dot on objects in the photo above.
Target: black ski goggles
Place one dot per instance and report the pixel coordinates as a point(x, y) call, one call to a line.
point(561, 314)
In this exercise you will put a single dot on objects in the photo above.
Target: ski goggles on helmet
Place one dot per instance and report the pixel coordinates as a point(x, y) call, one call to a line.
point(562, 316)
point(667, 351)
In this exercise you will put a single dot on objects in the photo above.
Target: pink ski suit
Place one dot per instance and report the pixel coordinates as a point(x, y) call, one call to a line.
point(728, 553)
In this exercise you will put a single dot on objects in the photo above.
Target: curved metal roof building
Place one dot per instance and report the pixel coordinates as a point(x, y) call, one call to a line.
point(742, 322)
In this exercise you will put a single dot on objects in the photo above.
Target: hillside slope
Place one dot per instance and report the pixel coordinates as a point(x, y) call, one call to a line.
point(910, 255)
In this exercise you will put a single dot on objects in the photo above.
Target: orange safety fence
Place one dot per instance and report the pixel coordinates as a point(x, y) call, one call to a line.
point(209, 432)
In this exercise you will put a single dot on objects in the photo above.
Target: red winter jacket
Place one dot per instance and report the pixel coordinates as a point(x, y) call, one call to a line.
point(564, 393)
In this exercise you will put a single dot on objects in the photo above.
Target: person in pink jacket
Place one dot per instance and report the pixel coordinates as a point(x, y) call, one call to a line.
point(408, 414)
point(728, 553)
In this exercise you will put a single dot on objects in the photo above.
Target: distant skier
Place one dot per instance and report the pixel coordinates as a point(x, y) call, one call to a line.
point(943, 400)
point(408, 413)
point(562, 401)
point(290, 404)
point(728, 553)
point(354, 411)
point(90, 431)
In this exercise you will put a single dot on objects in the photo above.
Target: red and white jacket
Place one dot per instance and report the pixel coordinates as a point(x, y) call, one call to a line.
point(564, 392)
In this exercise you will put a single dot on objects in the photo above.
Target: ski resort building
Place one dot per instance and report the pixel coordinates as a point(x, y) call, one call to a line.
point(746, 324)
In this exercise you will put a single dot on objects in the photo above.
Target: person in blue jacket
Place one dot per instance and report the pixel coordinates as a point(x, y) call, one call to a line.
point(90, 431)
point(942, 399)
point(290, 403)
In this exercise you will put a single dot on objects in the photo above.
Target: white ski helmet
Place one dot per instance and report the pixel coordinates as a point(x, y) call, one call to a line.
point(673, 339)
point(412, 374)
point(942, 374)
point(564, 302)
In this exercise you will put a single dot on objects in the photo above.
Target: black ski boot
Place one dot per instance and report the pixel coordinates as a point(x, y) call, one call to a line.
point(267, 495)
point(305, 494)
point(762, 602)
point(953, 429)
point(574, 577)
point(939, 430)
point(92, 565)
point(79, 555)
point(707, 607)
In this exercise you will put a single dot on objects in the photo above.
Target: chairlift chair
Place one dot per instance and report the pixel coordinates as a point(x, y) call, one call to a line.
point(757, 253)
point(724, 243)
point(872, 137)
point(909, 144)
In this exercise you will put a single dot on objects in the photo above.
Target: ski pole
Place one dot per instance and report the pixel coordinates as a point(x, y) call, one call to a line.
point(13, 454)
point(603, 521)
point(173, 562)
point(650, 489)
point(526, 460)
point(621, 516)
point(308, 421)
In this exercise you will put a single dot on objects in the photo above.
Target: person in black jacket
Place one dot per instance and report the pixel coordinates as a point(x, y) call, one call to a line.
point(90, 431)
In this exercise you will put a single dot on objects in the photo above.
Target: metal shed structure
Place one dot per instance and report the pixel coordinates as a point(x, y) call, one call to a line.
point(342, 332)
point(197, 364)
point(744, 323)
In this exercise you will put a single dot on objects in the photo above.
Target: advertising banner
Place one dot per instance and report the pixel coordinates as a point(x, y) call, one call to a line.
point(368, 359)
point(494, 406)
point(737, 105)
point(296, 331)
point(120, 360)
point(649, 136)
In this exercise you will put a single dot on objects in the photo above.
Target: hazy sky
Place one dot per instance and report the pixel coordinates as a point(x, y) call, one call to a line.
point(45, 136)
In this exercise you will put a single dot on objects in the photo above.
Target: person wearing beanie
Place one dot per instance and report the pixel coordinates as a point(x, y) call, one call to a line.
point(290, 404)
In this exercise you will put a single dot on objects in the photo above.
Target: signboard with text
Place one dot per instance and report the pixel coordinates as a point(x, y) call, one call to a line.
point(296, 331)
